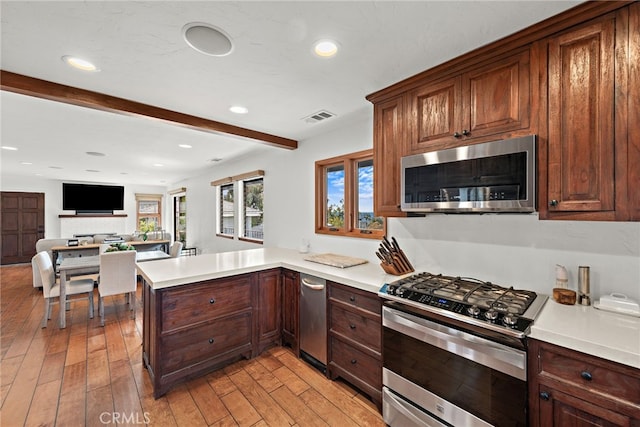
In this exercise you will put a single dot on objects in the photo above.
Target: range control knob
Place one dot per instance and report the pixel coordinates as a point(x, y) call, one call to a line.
point(510, 319)
point(491, 314)
point(473, 310)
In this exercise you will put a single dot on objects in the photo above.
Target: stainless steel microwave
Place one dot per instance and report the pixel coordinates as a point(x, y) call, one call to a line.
point(497, 176)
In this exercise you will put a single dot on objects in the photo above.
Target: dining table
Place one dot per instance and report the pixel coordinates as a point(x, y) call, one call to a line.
point(83, 265)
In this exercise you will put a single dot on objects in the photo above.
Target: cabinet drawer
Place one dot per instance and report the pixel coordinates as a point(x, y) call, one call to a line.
point(189, 305)
point(589, 373)
point(185, 348)
point(355, 297)
point(357, 327)
point(366, 368)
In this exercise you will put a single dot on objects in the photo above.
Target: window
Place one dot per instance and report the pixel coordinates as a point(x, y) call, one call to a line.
point(344, 196)
point(226, 207)
point(252, 213)
point(149, 212)
point(246, 208)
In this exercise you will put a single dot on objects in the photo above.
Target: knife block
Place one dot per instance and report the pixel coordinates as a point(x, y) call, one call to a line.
point(395, 270)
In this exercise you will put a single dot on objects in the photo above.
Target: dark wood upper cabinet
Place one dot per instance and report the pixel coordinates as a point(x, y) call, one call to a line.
point(572, 80)
point(388, 148)
point(488, 99)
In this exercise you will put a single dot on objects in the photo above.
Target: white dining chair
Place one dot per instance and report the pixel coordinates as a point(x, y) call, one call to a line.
point(117, 276)
point(51, 288)
point(176, 249)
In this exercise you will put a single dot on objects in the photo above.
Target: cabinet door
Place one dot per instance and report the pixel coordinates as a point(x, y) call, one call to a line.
point(268, 309)
point(496, 97)
point(632, 171)
point(581, 129)
point(435, 115)
point(388, 149)
point(560, 409)
point(290, 301)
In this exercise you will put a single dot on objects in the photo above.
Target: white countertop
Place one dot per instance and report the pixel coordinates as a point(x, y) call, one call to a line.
point(608, 335)
point(611, 336)
point(188, 269)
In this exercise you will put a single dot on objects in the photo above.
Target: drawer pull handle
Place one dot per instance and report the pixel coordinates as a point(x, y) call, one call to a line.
point(544, 395)
point(586, 375)
point(210, 340)
point(354, 361)
point(352, 326)
point(352, 298)
point(211, 301)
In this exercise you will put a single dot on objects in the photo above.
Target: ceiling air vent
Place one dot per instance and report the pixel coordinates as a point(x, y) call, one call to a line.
point(318, 116)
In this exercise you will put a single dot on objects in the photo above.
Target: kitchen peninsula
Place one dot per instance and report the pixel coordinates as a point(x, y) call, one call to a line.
point(205, 311)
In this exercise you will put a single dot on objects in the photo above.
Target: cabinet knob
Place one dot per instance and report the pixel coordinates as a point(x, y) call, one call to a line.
point(211, 301)
point(465, 132)
point(352, 326)
point(352, 298)
point(586, 375)
point(210, 340)
point(457, 135)
point(544, 395)
point(554, 202)
point(354, 361)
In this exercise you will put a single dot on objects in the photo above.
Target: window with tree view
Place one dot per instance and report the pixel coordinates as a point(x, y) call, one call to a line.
point(344, 196)
point(227, 219)
point(252, 211)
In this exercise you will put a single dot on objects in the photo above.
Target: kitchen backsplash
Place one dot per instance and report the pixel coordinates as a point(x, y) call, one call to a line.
point(521, 251)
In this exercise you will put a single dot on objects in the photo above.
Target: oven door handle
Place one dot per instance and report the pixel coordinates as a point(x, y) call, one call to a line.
point(494, 355)
point(392, 403)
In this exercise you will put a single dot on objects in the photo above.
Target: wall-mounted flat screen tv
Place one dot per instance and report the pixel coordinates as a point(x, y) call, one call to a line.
point(90, 198)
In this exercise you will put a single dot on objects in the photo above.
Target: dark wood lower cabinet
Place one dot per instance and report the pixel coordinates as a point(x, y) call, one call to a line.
point(192, 329)
point(291, 310)
point(355, 338)
point(569, 388)
point(269, 306)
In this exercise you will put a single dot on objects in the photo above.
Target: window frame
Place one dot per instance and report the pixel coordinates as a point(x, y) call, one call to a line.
point(243, 210)
point(219, 227)
point(350, 165)
point(147, 198)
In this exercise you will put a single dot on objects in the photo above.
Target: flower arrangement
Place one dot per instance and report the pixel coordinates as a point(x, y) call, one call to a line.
point(115, 247)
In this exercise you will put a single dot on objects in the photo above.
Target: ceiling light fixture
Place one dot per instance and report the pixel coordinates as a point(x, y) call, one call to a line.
point(184, 146)
point(79, 63)
point(325, 48)
point(6, 147)
point(239, 109)
point(158, 165)
point(207, 39)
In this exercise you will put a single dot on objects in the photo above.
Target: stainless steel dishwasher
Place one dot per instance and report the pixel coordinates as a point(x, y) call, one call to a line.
point(313, 320)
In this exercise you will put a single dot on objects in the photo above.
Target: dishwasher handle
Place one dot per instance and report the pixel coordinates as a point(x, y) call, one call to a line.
point(309, 284)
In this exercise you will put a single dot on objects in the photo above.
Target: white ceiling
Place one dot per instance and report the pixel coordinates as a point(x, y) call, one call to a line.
point(139, 48)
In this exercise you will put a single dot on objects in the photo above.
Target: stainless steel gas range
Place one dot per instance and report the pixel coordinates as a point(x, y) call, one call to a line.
point(454, 351)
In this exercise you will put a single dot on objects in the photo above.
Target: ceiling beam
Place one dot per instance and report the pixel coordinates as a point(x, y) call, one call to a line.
point(30, 86)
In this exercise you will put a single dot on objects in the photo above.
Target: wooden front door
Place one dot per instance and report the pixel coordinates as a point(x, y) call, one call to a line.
point(22, 225)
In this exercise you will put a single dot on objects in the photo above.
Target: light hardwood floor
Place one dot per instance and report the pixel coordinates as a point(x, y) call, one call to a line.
point(91, 375)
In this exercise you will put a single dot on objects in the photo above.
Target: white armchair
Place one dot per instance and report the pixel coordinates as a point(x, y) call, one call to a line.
point(117, 276)
point(43, 266)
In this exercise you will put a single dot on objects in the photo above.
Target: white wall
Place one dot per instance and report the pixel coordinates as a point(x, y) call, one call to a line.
point(509, 249)
point(52, 190)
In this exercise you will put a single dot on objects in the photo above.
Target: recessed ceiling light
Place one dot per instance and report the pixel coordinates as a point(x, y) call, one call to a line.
point(79, 63)
point(95, 153)
point(158, 165)
point(6, 147)
point(26, 163)
point(325, 48)
point(207, 39)
point(239, 109)
point(184, 146)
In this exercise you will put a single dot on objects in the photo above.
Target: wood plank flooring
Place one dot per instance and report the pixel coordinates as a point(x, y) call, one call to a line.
point(87, 375)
